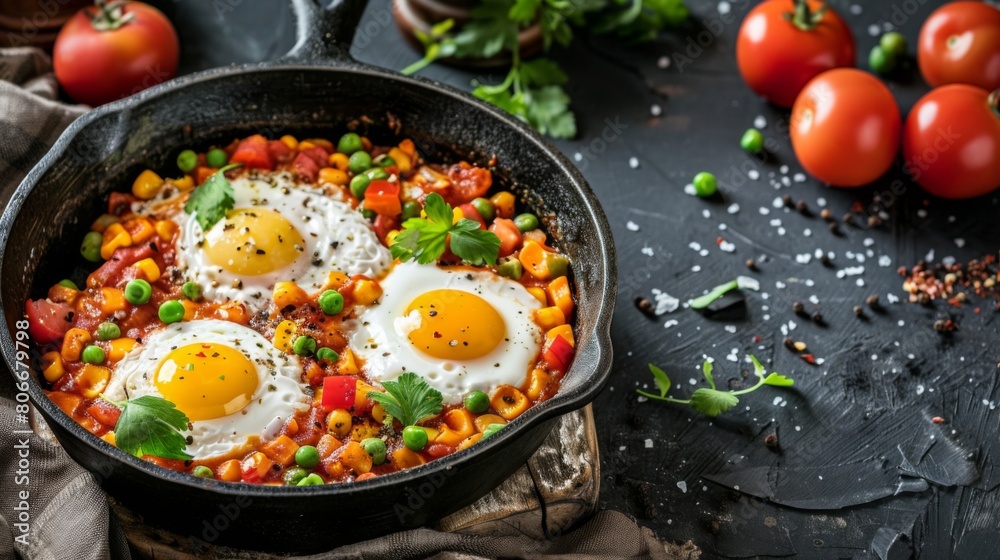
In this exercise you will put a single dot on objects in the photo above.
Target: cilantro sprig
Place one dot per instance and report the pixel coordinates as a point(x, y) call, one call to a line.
point(408, 399)
point(212, 199)
point(532, 91)
point(711, 401)
point(151, 425)
point(425, 239)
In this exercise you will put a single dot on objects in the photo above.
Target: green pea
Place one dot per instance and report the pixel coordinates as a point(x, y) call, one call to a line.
point(331, 302)
point(93, 355)
point(880, 61)
point(294, 476)
point(171, 311)
point(386, 162)
point(138, 291)
point(485, 208)
point(349, 143)
point(216, 158)
point(893, 43)
point(328, 354)
point(307, 457)
point(108, 331)
point(192, 291)
point(376, 173)
point(752, 141)
point(67, 283)
point(202, 471)
point(187, 161)
point(304, 346)
point(368, 214)
point(705, 184)
point(359, 161)
point(312, 479)
point(376, 448)
point(359, 184)
point(492, 429)
point(414, 437)
point(510, 268)
point(526, 222)
point(477, 402)
point(411, 209)
point(90, 249)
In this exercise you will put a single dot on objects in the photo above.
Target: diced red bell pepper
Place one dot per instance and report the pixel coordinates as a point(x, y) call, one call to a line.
point(280, 152)
point(120, 203)
point(439, 450)
point(47, 321)
point(470, 213)
point(104, 412)
point(382, 197)
point(110, 272)
point(253, 153)
point(383, 225)
point(339, 391)
point(559, 355)
point(255, 467)
point(306, 167)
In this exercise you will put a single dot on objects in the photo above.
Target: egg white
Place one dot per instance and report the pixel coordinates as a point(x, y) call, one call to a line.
point(337, 238)
point(379, 334)
point(279, 395)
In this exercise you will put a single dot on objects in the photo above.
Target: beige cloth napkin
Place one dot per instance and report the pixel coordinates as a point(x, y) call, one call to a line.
point(68, 514)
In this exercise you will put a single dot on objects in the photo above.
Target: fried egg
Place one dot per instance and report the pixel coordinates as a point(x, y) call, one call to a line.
point(277, 231)
point(461, 330)
point(229, 380)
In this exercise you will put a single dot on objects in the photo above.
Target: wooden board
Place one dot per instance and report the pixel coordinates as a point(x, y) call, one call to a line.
point(554, 490)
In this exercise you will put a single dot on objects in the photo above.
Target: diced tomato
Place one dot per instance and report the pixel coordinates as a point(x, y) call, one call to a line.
point(382, 197)
point(172, 464)
point(467, 182)
point(510, 236)
point(306, 167)
point(120, 203)
point(255, 467)
point(470, 213)
point(111, 271)
point(104, 412)
point(439, 450)
point(280, 152)
point(339, 391)
point(201, 174)
point(47, 321)
point(384, 224)
point(253, 153)
point(317, 154)
point(311, 428)
point(559, 355)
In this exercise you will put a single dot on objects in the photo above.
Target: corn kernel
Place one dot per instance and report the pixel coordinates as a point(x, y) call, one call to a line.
point(321, 143)
point(183, 184)
point(306, 145)
point(539, 294)
point(146, 185)
point(333, 176)
point(367, 292)
point(91, 380)
point(484, 421)
point(405, 458)
point(550, 317)
point(165, 229)
point(141, 229)
point(290, 141)
point(338, 161)
point(565, 331)
point(73, 343)
point(338, 422)
point(283, 335)
point(109, 437)
point(347, 365)
point(334, 281)
point(115, 237)
point(149, 269)
point(537, 382)
point(402, 160)
point(190, 307)
point(469, 441)
point(229, 471)
point(120, 347)
point(289, 294)
point(112, 299)
point(54, 368)
point(456, 215)
point(390, 237)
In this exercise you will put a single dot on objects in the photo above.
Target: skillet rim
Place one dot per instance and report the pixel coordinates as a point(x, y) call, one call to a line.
point(560, 403)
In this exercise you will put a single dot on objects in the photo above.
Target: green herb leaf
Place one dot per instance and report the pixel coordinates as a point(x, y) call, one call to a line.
point(661, 380)
point(212, 199)
point(150, 425)
point(523, 11)
point(706, 368)
point(715, 293)
point(409, 399)
point(712, 402)
point(777, 380)
point(425, 239)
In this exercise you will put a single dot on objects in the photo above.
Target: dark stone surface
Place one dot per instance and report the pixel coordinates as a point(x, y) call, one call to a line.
point(860, 470)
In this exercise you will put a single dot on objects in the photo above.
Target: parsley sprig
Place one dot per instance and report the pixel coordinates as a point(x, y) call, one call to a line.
point(212, 199)
point(425, 239)
point(709, 400)
point(151, 425)
point(532, 91)
point(408, 399)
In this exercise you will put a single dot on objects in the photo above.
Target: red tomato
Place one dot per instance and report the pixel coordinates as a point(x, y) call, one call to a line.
point(510, 236)
point(104, 412)
point(845, 127)
point(47, 321)
point(469, 212)
point(960, 43)
point(951, 141)
point(382, 197)
point(778, 56)
point(254, 153)
point(104, 53)
point(559, 355)
point(467, 183)
point(339, 391)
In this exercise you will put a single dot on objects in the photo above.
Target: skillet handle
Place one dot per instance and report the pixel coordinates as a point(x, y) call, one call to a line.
point(325, 30)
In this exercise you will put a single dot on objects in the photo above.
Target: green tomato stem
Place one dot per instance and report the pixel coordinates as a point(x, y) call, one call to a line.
point(993, 100)
point(803, 17)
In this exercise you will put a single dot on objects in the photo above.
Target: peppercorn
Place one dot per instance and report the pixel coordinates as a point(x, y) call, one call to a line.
point(645, 306)
point(798, 308)
point(858, 311)
point(873, 302)
point(802, 208)
point(787, 200)
point(751, 264)
point(849, 219)
point(835, 229)
point(826, 214)
point(817, 318)
point(874, 221)
point(825, 260)
point(771, 441)
point(789, 343)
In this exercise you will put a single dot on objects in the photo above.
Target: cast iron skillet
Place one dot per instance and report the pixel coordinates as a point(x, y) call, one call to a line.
point(316, 89)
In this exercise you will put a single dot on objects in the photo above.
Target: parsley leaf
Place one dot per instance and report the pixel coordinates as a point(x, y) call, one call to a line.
point(425, 239)
point(212, 199)
point(409, 399)
point(711, 401)
point(151, 425)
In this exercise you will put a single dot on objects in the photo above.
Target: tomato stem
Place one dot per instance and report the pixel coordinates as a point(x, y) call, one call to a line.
point(110, 15)
point(993, 100)
point(804, 17)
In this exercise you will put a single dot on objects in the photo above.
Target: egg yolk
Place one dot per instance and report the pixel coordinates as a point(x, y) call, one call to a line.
point(253, 241)
point(207, 380)
point(455, 325)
